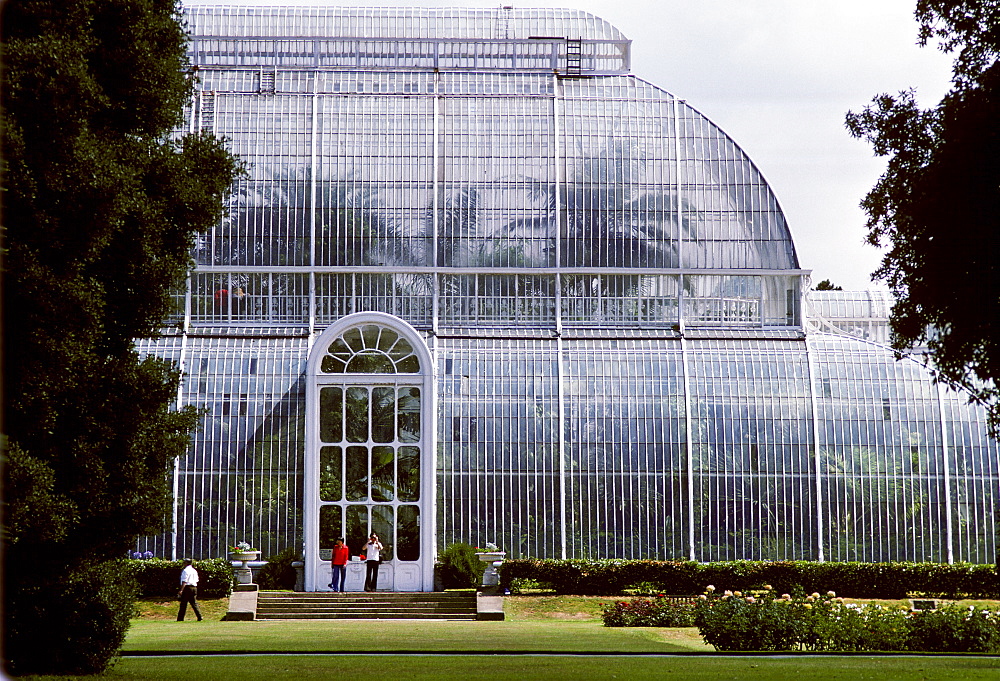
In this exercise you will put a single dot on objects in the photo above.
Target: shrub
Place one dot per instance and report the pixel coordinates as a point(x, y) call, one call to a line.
point(644, 612)
point(160, 577)
point(738, 621)
point(279, 573)
point(855, 580)
point(955, 630)
point(86, 612)
point(761, 621)
point(460, 567)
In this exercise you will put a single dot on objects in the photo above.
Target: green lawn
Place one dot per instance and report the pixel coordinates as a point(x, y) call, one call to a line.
point(305, 668)
point(536, 625)
point(406, 635)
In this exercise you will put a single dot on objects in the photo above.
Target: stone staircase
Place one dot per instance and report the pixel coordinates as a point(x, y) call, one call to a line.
point(314, 606)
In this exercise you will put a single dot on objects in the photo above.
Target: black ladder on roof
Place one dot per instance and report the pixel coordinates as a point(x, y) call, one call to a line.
point(574, 56)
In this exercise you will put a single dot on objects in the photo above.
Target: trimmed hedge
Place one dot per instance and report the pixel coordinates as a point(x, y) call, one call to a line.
point(853, 580)
point(161, 578)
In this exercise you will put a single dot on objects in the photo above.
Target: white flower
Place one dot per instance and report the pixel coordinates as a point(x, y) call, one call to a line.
point(751, 599)
point(727, 592)
point(709, 588)
point(831, 594)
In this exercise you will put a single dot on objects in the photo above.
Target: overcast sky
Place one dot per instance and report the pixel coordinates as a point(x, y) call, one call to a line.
point(778, 77)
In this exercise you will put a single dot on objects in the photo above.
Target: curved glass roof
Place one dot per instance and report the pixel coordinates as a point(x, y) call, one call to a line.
point(398, 22)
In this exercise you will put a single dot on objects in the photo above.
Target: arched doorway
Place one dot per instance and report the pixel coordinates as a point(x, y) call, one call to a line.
point(369, 454)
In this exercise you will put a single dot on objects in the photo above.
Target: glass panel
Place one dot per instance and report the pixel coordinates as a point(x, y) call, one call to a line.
point(408, 414)
point(330, 526)
point(410, 365)
point(352, 337)
point(401, 349)
point(332, 365)
point(331, 463)
point(383, 526)
point(331, 414)
point(357, 414)
point(357, 528)
point(371, 363)
point(369, 334)
point(409, 474)
point(357, 473)
point(383, 414)
point(408, 532)
point(382, 473)
point(339, 349)
point(386, 340)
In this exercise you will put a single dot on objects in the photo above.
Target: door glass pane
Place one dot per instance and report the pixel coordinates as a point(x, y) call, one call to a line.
point(356, 533)
point(383, 414)
point(384, 527)
point(383, 473)
point(330, 527)
point(331, 409)
point(409, 414)
point(357, 414)
point(409, 474)
point(331, 463)
point(408, 533)
point(357, 474)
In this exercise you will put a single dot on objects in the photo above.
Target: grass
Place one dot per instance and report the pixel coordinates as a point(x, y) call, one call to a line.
point(547, 630)
point(306, 668)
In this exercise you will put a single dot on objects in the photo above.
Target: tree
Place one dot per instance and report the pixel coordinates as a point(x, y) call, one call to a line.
point(937, 206)
point(101, 208)
point(827, 285)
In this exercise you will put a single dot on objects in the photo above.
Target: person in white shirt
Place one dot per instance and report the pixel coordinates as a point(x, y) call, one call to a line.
point(189, 591)
point(372, 562)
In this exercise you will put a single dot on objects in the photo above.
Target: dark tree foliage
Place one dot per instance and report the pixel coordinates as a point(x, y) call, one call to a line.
point(827, 285)
point(101, 207)
point(937, 206)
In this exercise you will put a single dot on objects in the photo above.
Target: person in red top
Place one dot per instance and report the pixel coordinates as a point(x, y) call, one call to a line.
point(338, 561)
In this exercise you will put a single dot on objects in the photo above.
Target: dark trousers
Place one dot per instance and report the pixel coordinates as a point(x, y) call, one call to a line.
point(371, 575)
point(338, 577)
point(189, 594)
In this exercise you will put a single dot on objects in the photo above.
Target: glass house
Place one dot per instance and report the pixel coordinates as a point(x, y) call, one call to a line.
point(482, 284)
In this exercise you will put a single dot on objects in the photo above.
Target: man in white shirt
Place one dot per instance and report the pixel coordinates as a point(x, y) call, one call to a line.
point(372, 550)
point(189, 590)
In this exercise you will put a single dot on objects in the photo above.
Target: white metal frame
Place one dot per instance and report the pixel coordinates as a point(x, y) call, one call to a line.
point(425, 379)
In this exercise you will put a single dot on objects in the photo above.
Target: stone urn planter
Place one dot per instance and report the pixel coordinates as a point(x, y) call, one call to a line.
point(493, 559)
point(244, 575)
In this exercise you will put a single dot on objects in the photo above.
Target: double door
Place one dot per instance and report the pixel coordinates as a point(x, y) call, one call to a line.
point(370, 473)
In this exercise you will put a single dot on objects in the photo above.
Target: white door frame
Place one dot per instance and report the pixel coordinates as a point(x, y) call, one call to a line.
point(315, 576)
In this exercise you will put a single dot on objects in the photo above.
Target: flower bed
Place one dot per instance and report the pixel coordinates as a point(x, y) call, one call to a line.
point(659, 611)
point(764, 621)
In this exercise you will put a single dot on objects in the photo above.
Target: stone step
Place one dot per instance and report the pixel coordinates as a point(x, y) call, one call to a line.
point(363, 616)
point(388, 605)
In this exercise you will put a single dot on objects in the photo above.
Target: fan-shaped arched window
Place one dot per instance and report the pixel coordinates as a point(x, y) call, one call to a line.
point(370, 349)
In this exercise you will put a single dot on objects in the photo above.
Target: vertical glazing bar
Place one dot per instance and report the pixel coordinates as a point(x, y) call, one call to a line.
point(811, 370)
point(677, 203)
point(181, 362)
point(561, 447)
point(557, 132)
point(688, 450)
point(437, 158)
point(946, 470)
point(313, 179)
